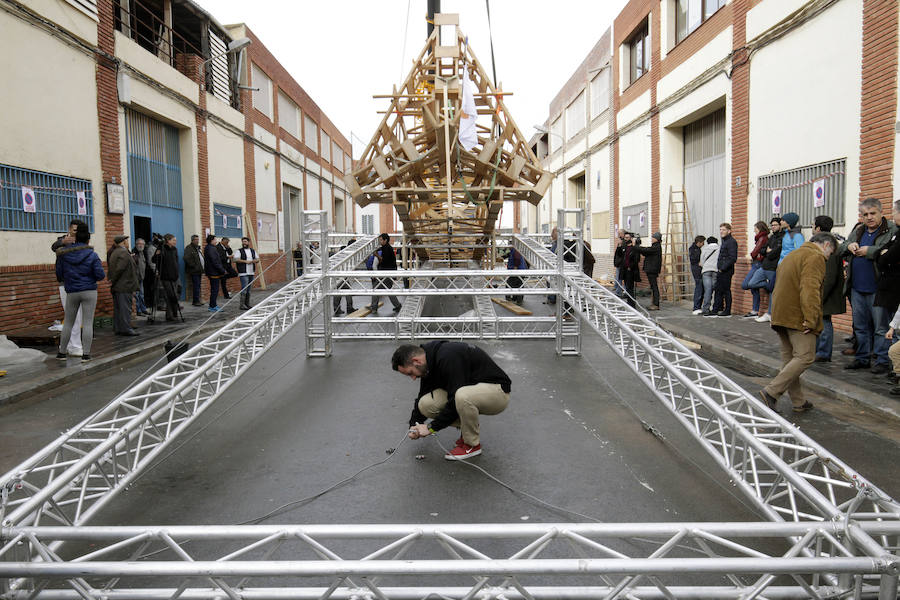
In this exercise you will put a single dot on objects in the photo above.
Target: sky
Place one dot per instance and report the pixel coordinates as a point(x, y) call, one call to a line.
point(344, 51)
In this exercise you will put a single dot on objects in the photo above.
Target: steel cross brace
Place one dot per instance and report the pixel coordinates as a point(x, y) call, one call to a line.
point(608, 560)
point(784, 472)
point(69, 480)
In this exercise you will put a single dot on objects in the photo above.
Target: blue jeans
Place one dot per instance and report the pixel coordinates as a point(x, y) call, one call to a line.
point(745, 285)
point(139, 305)
point(246, 284)
point(698, 292)
point(195, 288)
point(619, 288)
point(826, 339)
point(870, 324)
point(762, 278)
point(709, 284)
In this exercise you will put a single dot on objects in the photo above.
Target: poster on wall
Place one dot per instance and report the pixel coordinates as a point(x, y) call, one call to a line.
point(29, 204)
point(240, 222)
point(628, 222)
point(819, 193)
point(82, 203)
point(642, 218)
point(266, 228)
point(281, 230)
point(224, 221)
point(776, 202)
point(115, 198)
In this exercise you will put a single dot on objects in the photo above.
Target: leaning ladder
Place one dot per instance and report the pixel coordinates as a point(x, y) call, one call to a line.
point(677, 277)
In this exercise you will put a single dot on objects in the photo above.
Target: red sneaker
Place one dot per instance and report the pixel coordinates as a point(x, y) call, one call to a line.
point(459, 442)
point(463, 452)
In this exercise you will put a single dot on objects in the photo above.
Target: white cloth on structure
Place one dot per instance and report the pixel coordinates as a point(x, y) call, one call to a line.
point(468, 135)
point(10, 354)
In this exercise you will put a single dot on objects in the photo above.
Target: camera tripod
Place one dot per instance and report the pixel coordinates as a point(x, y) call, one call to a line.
point(157, 290)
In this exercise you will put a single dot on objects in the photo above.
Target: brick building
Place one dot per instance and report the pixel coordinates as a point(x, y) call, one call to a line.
point(131, 116)
point(736, 102)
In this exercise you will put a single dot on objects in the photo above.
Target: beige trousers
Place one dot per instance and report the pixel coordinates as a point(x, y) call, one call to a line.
point(798, 351)
point(471, 401)
point(894, 355)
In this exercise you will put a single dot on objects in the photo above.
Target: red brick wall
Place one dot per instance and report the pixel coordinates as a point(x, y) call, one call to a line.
point(740, 154)
point(879, 101)
point(108, 117)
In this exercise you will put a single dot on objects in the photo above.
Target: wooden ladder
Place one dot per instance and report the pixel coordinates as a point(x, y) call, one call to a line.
point(677, 279)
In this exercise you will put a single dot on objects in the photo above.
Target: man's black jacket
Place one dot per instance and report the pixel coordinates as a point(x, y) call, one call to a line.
point(452, 365)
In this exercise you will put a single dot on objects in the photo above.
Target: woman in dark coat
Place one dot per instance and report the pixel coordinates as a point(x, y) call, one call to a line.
point(214, 269)
point(652, 266)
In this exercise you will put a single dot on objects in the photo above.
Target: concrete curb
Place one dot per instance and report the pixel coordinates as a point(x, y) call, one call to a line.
point(100, 366)
point(756, 364)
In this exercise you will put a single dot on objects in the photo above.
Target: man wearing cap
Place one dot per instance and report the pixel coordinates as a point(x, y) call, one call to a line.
point(123, 279)
point(792, 238)
point(652, 266)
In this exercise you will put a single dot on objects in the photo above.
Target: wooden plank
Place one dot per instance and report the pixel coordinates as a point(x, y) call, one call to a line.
point(365, 311)
point(446, 19)
point(511, 306)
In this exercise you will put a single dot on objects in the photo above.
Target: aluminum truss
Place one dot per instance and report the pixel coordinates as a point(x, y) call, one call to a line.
point(75, 476)
point(832, 519)
point(508, 560)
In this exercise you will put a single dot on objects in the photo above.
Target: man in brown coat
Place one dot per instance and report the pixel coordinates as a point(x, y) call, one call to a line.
point(123, 279)
point(797, 317)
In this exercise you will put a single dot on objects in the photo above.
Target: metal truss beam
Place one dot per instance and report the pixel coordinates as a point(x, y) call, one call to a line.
point(72, 478)
point(638, 560)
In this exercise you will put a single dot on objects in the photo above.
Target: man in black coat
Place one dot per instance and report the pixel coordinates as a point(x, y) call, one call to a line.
point(166, 260)
point(628, 261)
point(387, 261)
point(697, 272)
point(887, 295)
point(833, 300)
point(193, 266)
point(728, 254)
point(459, 382)
point(652, 266)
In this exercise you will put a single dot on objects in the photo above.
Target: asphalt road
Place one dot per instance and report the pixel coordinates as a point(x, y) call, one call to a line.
point(293, 427)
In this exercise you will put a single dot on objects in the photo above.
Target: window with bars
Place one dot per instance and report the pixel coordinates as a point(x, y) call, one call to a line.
point(55, 200)
point(154, 161)
point(799, 190)
point(368, 224)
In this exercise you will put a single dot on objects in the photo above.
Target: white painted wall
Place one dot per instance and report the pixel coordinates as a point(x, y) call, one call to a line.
point(600, 201)
point(45, 129)
point(805, 100)
point(766, 15)
point(264, 166)
point(711, 53)
point(226, 166)
point(633, 110)
point(634, 167)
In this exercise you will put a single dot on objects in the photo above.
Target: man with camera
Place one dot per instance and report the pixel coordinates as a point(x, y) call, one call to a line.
point(166, 260)
point(628, 260)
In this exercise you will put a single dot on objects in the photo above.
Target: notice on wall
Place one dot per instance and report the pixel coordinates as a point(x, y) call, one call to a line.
point(29, 203)
point(115, 198)
point(240, 222)
point(266, 228)
point(642, 218)
point(819, 193)
point(628, 222)
point(776, 202)
point(82, 203)
point(281, 230)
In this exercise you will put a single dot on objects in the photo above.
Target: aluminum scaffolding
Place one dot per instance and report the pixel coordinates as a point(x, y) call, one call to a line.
point(830, 532)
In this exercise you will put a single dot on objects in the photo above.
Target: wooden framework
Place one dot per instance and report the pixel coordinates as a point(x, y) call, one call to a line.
point(416, 163)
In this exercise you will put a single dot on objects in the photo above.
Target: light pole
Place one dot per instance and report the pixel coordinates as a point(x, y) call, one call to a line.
point(565, 184)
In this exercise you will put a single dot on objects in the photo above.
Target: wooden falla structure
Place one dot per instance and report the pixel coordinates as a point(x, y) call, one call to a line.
point(448, 198)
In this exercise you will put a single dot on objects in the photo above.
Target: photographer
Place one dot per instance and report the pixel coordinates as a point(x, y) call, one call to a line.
point(166, 260)
point(628, 260)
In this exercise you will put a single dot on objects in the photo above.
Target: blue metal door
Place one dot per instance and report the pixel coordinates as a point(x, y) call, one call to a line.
point(154, 178)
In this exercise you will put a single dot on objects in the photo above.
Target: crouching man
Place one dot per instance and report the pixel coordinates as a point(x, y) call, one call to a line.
point(459, 382)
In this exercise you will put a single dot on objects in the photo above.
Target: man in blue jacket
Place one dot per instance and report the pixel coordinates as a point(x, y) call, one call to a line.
point(459, 382)
point(728, 253)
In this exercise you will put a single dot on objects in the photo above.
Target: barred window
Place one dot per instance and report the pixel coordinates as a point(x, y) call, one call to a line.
point(154, 161)
point(55, 200)
point(796, 191)
point(368, 224)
